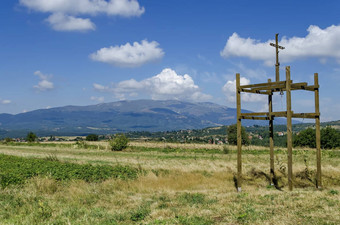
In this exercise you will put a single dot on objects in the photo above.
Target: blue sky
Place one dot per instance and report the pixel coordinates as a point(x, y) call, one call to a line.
point(82, 52)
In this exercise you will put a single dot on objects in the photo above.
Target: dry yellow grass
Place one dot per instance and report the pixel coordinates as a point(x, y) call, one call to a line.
point(180, 187)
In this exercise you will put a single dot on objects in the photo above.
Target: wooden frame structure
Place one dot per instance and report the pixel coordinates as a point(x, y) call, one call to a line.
point(268, 89)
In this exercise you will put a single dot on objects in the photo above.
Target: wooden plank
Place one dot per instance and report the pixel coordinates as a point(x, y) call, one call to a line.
point(271, 138)
point(301, 85)
point(317, 134)
point(289, 129)
point(261, 84)
point(279, 114)
point(255, 114)
point(269, 87)
point(256, 92)
point(282, 87)
point(312, 87)
point(306, 115)
point(239, 137)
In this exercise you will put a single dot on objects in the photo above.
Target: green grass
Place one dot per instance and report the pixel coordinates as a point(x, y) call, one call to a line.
point(16, 170)
point(71, 185)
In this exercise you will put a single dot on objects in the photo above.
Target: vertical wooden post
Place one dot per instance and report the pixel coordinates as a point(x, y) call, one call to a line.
point(239, 136)
point(289, 128)
point(277, 65)
point(317, 130)
point(271, 136)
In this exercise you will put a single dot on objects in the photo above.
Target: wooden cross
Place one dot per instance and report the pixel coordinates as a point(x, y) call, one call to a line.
point(277, 65)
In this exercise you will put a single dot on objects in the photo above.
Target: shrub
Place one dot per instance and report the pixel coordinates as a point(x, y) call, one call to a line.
point(31, 137)
point(232, 135)
point(226, 150)
point(305, 138)
point(330, 138)
point(119, 143)
point(92, 137)
point(7, 140)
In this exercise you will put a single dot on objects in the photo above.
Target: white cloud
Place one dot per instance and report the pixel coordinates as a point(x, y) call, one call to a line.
point(97, 99)
point(61, 22)
point(70, 8)
point(5, 101)
point(129, 55)
point(44, 83)
point(319, 43)
point(166, 85)
point(229, 89)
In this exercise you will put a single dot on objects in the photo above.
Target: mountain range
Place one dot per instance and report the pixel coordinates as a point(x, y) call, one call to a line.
point(121, 116)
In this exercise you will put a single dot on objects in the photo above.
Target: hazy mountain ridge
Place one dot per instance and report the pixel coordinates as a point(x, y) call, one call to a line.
point(122, 116)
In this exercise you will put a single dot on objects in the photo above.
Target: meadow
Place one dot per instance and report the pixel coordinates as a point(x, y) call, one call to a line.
point(162, 183)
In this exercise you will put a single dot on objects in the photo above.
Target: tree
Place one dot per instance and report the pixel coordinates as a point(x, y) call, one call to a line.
point(305, 138)
point(31, 137)
point(119, 143)
point(92, 137)
point(330, 138)
point(232, 135)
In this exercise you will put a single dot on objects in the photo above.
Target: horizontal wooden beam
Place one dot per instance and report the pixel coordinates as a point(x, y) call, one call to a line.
point(279, 114)
point(255, 114)
point(262, 84)
point(256, 92)
point(302, 85)
point(269, 87)
point(306, 115)
point(267, 116)
point(312, 87)
point(254, 118)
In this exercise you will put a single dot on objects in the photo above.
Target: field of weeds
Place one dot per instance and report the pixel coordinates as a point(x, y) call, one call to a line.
point(171, 184)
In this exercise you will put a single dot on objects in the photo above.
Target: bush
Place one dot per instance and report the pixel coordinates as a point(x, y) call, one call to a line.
point(7, 140)
point(226, 150)
point(92, 137)
point(330, 138)
point(305, 138)
point(119, 143)
point(31, 137)
point(232, 135)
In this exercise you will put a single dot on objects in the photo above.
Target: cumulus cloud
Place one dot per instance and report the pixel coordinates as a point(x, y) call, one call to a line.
point(71, 8)
point(44, 84)
point(319, 43)
point(166, 85)
point(229, 89)
point(97, 99)
point(61, 22)
point(129, 55)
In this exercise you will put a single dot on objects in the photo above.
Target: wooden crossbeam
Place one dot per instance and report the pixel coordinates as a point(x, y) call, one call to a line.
point(269, 87)
point(267, 115)
point(306, 115)
point(262, 84)
point(256, 92)
point(278, 88)
point(301, 85)
point(279, 114)
point(255, 114)
point(312, 87)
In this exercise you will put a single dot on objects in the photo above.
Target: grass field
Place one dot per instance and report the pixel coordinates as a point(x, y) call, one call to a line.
point(176, 184)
